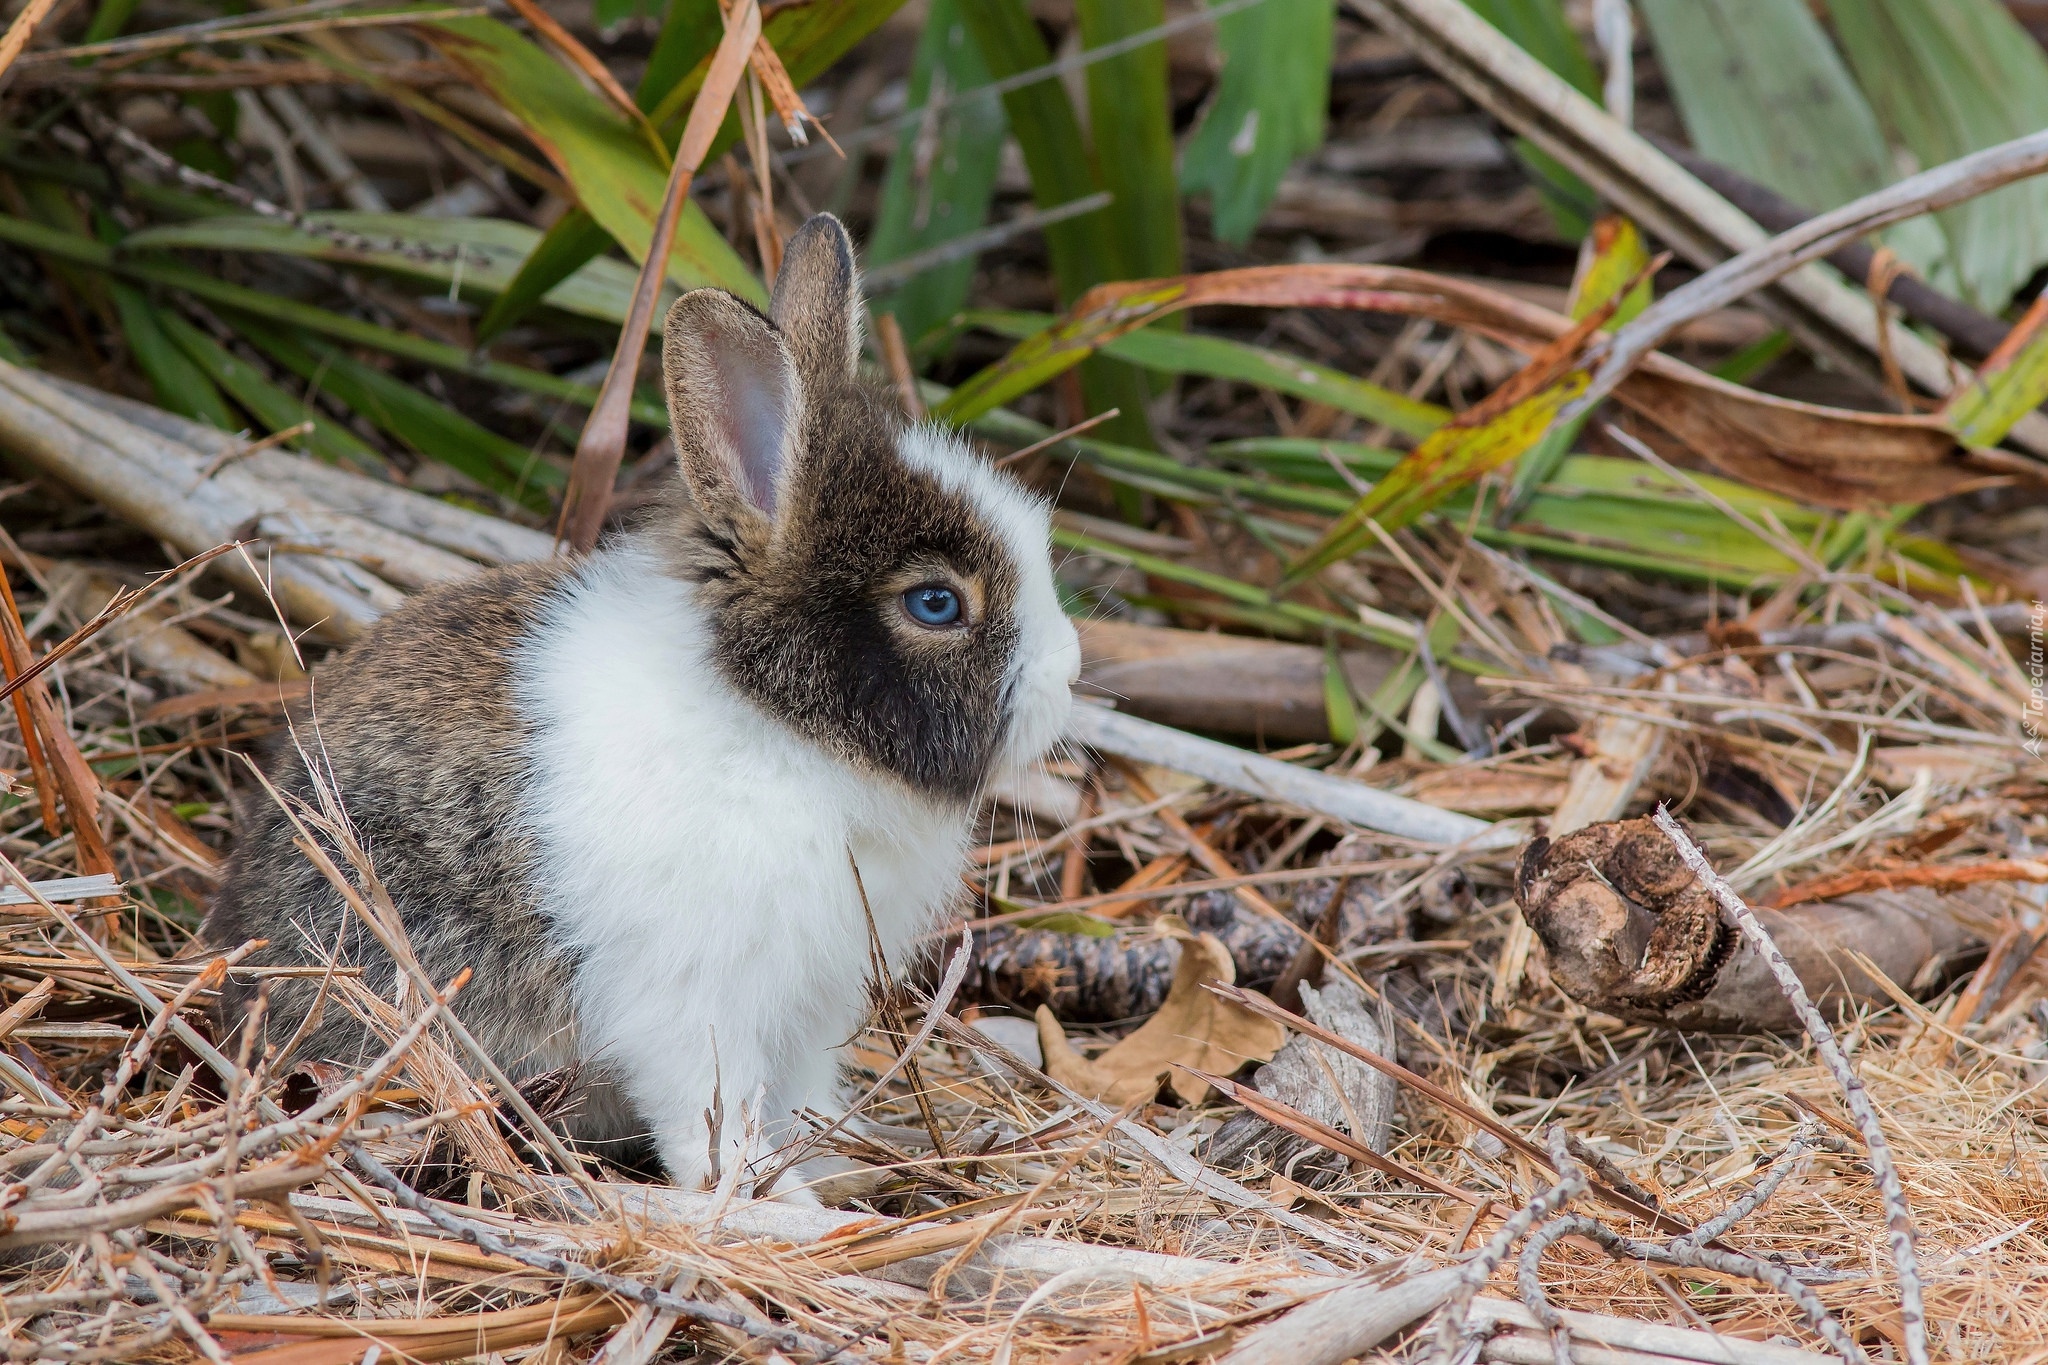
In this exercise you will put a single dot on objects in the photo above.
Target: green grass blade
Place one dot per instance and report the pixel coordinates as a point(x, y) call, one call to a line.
point(940, 179)
point(1049, 134)
point(2012, 384)
point(690, 31)
point(1762, 90)
point(273, 408)
point(1339, 706)
point(427, 428)
point(1949, 77)
point(1243, 594)
point(494, 253)
point(1542, 29)
point(108, 21)
point(1130, 110)
point(181, 386)
point(1215, 357)
point(1753, 359)
point(601, 153)
point(574, 242)
point(1268, 110)
point(257, 303)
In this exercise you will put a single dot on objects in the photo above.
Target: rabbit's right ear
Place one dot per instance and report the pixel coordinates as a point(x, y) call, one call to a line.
point(733, 402)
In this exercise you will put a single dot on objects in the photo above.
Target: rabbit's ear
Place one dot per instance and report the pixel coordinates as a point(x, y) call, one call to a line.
point(733, 402)
point(817, 302)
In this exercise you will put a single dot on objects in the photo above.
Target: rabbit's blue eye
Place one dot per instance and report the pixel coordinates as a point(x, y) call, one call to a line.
point(933, 604)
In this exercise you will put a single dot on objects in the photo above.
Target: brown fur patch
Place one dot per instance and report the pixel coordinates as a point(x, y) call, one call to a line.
point(418, 727)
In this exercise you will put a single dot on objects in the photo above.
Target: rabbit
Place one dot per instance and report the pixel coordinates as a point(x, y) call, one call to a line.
point(631, 790)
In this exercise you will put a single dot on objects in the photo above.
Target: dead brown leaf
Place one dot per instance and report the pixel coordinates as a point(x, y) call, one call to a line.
point(1193, 1028)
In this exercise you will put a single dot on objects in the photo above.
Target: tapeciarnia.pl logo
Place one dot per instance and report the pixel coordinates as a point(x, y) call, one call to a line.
point(2037, 678)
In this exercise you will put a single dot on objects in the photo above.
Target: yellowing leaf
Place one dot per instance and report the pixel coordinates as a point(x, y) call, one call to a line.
point(1451, 457)
point(1193, 1028)
point(2011, 384)
point(1612, 255)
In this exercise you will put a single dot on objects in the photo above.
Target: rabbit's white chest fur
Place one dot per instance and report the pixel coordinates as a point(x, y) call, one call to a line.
point(694, 858)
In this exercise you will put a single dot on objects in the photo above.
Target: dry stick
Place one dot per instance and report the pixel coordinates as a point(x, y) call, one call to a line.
point(21, 30)
point(1938, 876)
point(757, 1329)
point(1975, 332)
point(1736, 278)
point(1286, 1116)
point(1165, 1155)
point(182, 33)
point(890, 1008)
point(896, 359)
point(194, 178)
point(1086, 424)
point(25, 718)
point(65, 766)
point(1571, 1183)
point(1898, 1214)
point(995, 1223)
point(772, 78)
point(167, 39)
point(152, 1006)
point(1134, 893)
point(120, 604)
point(603, 444)
point(1828, 314)
point(1258, 1004)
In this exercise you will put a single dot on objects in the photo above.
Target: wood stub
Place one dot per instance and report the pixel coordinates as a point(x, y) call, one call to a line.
point(1627, 930)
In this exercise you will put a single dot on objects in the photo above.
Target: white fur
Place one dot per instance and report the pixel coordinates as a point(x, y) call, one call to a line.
point(694, 850)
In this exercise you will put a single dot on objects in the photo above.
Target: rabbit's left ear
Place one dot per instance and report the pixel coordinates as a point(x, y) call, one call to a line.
point(734, 401)
point(817, 303)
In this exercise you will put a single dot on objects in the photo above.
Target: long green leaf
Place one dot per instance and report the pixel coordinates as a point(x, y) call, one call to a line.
point(943, 173)
point(1215, 357)
point(260, 303)
point(1049, 134)
point(107, 21)
point(494, 252)
point(1267, 113)
point(594, 147)
point(689, 31)
point(1762, 90)
point(429, 429)
point(272, 407)
point(1231, 590)
point(180, 385)
point(572, 246)
point(808, 38)
point(1130, 113)
point(2012, 383)
point(1949, 77)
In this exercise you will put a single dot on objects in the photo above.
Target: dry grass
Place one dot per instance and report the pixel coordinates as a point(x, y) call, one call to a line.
point(218, 1192)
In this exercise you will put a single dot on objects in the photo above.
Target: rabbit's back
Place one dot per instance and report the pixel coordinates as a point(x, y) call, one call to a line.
point(419, 731)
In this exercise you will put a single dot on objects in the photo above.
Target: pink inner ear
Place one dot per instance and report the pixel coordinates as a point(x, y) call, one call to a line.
point(753, 416)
